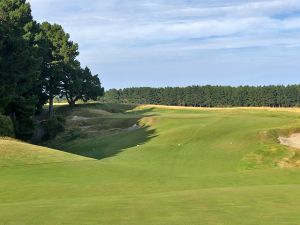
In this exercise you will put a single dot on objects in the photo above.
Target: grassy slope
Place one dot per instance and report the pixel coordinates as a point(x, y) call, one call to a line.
point(188, 167)
point(16, 153)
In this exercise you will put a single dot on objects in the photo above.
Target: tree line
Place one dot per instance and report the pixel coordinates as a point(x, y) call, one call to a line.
point(209, 96)
point(38, 62)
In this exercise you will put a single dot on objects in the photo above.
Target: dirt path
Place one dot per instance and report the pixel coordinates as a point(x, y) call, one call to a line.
point(291, 141)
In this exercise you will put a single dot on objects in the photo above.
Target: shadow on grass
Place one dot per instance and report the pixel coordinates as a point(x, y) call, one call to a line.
point(111, 145)
point(116, 135)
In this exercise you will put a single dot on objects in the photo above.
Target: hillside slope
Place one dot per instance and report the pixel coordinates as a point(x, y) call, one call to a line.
point(13, 152)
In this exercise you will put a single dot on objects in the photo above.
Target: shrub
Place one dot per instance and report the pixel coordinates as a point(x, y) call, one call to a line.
point(6, 127)
point(53, 127)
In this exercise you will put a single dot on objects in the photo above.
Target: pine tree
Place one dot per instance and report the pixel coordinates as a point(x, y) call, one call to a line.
point(19, 65)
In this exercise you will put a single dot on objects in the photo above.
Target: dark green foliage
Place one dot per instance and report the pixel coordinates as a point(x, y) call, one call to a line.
point(80, 84)
point(21, 111)
point(209, 96)
point(59, 54)
point(35, 62)
point(53, 127)
point(63, 73)
point(6, 127)
point(19, 65)
point(112, 96)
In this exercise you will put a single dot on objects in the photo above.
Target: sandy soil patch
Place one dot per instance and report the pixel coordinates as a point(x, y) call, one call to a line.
point(80, 118)
point(291, 141)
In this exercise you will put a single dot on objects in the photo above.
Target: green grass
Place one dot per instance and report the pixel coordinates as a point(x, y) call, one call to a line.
point(17, 153)
point(183, 167)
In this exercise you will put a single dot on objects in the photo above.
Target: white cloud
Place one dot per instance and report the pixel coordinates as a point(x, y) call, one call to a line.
point(118, 29)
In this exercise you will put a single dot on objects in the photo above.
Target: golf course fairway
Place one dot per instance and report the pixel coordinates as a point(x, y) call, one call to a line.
point(181, 166)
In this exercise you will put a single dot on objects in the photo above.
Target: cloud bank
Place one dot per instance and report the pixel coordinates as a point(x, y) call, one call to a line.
point(118, 31)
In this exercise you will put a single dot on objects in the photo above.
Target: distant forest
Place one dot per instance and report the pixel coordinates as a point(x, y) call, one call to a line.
point(209, 96)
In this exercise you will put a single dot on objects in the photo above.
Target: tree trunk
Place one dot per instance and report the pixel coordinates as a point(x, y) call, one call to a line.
point(51, 108)
point(72, 103)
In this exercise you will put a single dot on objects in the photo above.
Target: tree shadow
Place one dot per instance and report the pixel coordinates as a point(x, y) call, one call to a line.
point(111, 145)
point(126, 133)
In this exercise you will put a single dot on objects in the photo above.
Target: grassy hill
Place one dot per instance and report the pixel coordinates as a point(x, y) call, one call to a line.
point(178, 166)
point(16, 153)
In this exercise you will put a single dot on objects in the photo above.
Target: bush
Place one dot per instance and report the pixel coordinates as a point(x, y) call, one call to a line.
point(6, 127)
point(53, 127)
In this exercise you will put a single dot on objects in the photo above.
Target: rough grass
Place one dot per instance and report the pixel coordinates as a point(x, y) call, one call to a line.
point(184, 166)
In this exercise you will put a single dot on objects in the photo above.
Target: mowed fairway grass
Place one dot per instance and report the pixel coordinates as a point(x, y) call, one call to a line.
point(184, 167)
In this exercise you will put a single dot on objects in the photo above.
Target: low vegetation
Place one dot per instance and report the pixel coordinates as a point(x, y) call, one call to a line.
point(87, 122)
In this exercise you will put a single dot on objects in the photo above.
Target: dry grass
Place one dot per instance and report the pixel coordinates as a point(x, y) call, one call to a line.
point(283, 109)
point(14, 152)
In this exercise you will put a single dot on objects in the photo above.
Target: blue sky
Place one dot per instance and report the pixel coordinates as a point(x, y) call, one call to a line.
point(182, 42)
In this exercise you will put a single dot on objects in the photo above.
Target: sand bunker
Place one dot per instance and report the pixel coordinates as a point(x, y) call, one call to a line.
point(291, 141)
